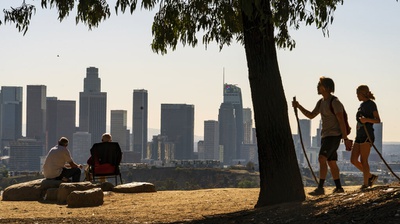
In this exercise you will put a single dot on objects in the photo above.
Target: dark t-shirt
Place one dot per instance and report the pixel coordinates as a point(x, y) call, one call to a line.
point(366, 110)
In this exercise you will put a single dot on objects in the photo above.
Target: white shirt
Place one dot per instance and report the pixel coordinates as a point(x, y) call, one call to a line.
point(55, 161)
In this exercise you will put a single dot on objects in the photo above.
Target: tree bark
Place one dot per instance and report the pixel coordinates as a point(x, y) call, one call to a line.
point(280, 179)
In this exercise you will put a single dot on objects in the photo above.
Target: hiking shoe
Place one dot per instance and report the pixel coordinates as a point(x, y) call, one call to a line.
point(317, 191)
point(363, 187)
point(338, 190)
point(372, 180)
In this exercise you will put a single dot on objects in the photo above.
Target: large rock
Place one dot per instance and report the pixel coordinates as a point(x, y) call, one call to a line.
point(88, 198)
point(135, 187)
point(66, 188)
point(29, 191)
point(51, 194)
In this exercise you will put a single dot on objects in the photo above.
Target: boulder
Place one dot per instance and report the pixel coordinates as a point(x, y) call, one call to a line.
point(135, 187)
point(87, 198)
point(29, 191)
point(66, 188)
point(106, 186)
point(51, 194)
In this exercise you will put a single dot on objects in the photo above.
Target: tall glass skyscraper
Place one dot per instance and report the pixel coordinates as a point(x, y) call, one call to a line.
point(93, 106)
point(177, 124)
point(233, 95)
point(139, 123)
point(10, 115)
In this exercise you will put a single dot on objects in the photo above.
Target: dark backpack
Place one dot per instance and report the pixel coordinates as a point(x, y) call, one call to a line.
point(346, 122)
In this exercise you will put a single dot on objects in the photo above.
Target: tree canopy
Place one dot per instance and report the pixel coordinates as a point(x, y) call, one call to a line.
point(180, 20)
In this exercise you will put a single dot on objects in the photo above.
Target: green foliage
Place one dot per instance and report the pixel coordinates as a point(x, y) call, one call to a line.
point(20, 16)
point(188, 21)
point(247, 184)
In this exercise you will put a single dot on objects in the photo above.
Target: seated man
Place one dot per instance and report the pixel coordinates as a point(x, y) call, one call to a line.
point(59, 164)
point(105, 156)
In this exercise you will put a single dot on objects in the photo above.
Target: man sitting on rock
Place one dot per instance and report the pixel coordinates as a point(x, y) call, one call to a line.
point(59, 164)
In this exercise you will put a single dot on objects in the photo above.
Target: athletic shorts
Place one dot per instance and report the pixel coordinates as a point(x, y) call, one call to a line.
point(329, 147)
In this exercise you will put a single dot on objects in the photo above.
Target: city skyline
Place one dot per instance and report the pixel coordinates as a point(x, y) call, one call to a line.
point(361, 49)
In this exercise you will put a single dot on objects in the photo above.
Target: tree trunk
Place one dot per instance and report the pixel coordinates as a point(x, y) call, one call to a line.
point(280, 179)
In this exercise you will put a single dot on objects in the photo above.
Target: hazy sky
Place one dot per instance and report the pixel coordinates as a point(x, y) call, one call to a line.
point(363, 48)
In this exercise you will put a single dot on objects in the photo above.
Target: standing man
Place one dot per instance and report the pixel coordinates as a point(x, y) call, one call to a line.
point(59, 164)
point(333, 130)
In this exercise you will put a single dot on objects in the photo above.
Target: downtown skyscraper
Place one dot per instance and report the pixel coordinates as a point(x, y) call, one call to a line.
point(119, 130)
point(10, 115)
point(139, 123)
point(36, 113)
point(61, 120)
point(92, 106)
point(177, 124)
point(231, 123)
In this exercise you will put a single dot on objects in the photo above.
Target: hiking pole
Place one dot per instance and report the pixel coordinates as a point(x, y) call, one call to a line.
point(302, 144)
point(380, 155)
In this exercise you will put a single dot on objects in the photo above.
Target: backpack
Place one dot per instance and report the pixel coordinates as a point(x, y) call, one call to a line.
point(346, 122)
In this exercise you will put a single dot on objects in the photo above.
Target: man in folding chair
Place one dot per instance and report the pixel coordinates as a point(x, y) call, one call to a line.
point(104, 160)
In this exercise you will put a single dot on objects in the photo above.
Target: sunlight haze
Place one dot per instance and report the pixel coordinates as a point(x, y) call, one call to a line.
point(362, 48)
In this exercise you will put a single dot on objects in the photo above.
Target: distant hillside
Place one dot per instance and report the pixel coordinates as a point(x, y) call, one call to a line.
point(192, 179)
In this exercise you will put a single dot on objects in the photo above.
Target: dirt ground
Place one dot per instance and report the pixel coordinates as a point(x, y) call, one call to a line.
point(380, 204)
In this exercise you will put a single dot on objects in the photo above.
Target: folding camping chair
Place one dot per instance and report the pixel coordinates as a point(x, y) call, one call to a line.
point(105, 160)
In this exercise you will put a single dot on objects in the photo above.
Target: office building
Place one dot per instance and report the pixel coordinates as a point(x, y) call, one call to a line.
point(93, 106)
point(233, 95)
point(36, 112)
point(378, 132)
point(80, 150)
point(247, 126)
point(25, 155)
point(61, 119)
point(211, 140)
point(119, 130)
point(177, 124)
point(305, 130)
point(139, 123)
point(10, 115)
point(227, 132)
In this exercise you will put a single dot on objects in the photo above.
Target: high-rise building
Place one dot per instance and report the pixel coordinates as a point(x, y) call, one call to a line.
point(139, 123)
point(378, 133)
point(211, 140)
point(227, 132)
point(36, 112)
point(93, 106)
point(10, 115)
point(247, 126)
point(119, 129)
point(160, 149)
point(61, 119)
point(81, 147)
point(305, 129)
point(233, 95)
point(177, 124)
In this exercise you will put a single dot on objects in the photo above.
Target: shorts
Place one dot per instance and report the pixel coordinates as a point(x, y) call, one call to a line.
point(329, 147)
point(364, 139)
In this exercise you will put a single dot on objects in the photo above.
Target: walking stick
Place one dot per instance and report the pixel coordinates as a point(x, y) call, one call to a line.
point(380, 155)
point(302, 144)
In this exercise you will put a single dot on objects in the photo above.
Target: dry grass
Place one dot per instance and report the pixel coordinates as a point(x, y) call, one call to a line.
point(224, 205)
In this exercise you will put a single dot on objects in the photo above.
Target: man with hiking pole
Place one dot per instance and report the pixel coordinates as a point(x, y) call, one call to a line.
point(334, 129)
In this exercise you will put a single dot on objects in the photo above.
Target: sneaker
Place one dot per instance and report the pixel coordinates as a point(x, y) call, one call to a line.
point(372, 180)
point(317, 191)
point(363, 187)
point(338, 190)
